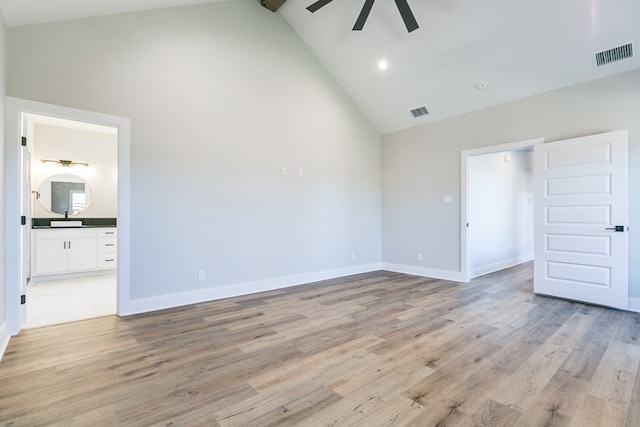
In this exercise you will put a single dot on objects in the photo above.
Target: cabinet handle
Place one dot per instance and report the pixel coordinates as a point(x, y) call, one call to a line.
point(109, 244)
point(109, 260)
point(65, 244)
point(109, 232)
point(69, 244)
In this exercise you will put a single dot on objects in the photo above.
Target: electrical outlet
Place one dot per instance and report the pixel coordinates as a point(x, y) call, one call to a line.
point(201, 275)
point(353, 255)
point(301, 173)
point(285, 171)
point(419, 257)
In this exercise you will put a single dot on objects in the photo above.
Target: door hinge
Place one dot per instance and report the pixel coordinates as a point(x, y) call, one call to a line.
point(23, 299)
point(23, 220)
point(23, 141)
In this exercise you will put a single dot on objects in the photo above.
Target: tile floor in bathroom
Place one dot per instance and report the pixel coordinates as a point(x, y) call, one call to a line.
point(62, 301)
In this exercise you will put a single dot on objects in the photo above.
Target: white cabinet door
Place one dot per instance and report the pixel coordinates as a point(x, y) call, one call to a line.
point(50, 256)
point(81, 255)
point(581, 218)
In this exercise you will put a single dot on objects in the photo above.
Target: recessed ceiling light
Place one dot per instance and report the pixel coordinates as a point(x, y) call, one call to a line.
point(482, 85)
point(383, 65)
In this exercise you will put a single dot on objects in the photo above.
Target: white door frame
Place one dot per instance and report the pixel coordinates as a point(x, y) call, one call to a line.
point(465, 268)
point(14, 262)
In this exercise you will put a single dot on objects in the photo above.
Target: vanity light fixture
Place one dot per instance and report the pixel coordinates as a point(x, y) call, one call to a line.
point(65, 163)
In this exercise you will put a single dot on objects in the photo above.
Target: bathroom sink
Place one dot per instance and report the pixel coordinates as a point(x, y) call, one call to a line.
point(66, 223)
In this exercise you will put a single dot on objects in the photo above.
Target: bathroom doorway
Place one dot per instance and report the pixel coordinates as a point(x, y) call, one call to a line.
point(18, 195)
point(71, 173)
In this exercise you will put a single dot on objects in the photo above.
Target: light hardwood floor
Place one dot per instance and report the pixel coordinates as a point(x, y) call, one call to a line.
point(379, 349)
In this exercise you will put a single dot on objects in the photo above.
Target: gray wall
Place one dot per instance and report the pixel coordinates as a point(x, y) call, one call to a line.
point(221, 97)
point(3, 67)
point(500, 210)
point(422, 164)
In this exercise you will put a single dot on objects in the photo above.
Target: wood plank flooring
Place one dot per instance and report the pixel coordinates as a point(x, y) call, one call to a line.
point(378, 349)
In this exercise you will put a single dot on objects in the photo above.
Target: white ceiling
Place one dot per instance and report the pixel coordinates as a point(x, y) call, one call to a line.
point(26, 12)
point(521, 47)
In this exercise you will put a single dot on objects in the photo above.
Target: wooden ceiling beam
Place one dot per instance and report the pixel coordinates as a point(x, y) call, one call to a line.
point(272, 5)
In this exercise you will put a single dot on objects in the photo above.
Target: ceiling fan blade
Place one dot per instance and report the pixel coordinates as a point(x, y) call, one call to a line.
point(317, 5)
point(407, 16)
point(364, 14)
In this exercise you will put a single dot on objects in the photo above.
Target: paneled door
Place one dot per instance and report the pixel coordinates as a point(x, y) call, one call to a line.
point(581, 219)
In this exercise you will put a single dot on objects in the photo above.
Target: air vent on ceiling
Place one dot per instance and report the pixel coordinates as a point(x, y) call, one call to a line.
point(613, 55)
point(419, 112)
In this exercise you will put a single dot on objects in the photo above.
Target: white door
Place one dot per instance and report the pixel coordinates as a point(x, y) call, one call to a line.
point(581, 219)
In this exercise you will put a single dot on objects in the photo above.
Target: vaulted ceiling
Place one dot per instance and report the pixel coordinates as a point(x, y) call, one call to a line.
point(466, 55)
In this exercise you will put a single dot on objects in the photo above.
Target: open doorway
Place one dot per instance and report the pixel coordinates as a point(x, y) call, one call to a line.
point(70, 173)
point(17, 205)
point(496, 207)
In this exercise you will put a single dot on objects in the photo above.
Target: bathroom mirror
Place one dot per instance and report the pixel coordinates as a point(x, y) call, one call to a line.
point(65, 194)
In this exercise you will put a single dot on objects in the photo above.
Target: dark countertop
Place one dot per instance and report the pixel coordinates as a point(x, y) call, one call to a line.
point(86, 222)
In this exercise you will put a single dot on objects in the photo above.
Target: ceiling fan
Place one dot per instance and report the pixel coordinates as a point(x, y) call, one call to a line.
point(403, 8)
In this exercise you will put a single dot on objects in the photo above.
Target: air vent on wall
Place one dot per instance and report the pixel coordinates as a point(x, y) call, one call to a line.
point(613, 55)
point(419, 112)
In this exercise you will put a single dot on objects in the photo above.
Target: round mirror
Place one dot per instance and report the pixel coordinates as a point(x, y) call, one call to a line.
point(65, 194)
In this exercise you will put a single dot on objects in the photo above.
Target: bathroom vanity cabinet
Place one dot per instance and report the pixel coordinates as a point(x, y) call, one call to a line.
point(72, 250)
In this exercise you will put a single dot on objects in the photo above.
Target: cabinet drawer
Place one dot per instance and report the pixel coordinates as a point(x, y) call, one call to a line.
point(107, 244)
point(107, 232)
point(107, 261)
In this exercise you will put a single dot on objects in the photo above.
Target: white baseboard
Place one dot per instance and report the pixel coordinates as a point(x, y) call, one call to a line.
point(634, 304)
point(4, 338)
point(161, 302)
point(500, 265)
point(454, 276)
